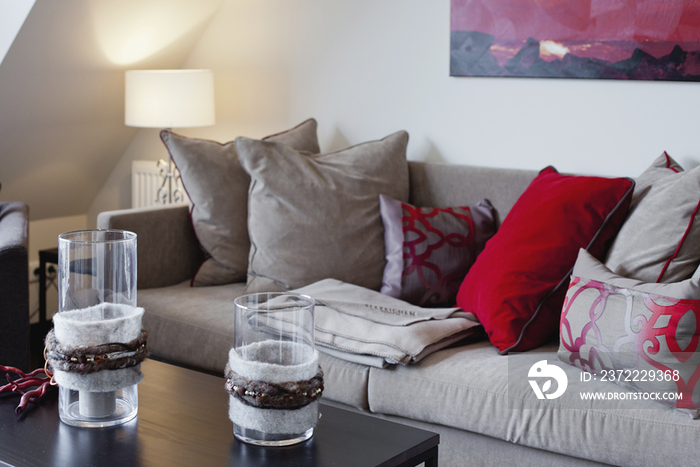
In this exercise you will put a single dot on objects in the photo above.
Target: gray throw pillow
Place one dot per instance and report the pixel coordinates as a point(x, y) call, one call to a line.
point(660, 240)
point(663, 166)
point(218, 188)
point(313, 217)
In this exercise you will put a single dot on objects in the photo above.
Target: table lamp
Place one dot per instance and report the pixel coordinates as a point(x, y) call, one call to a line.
point(169, 99)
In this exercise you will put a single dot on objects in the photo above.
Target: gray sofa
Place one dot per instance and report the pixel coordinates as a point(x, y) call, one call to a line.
point(14, 289)
point(468, 393)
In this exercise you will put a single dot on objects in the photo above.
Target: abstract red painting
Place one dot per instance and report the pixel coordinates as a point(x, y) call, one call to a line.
point(609, 39)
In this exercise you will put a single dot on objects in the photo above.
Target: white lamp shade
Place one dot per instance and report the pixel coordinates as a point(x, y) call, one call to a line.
point(169, 98)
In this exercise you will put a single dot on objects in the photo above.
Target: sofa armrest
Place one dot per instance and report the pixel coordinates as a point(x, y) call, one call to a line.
point(168, 251)
point(14, 285)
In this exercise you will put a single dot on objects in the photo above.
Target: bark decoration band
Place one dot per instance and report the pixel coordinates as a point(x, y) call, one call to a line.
point(91, 359)
point(98, 348)
point(288, 395)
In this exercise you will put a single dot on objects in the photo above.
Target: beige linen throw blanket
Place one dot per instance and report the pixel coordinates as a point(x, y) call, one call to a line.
point(364, 326)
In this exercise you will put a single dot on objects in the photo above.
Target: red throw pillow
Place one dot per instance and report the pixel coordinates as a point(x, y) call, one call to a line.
point(517, 285)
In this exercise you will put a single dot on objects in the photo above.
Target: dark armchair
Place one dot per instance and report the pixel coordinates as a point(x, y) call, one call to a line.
point(14, 285)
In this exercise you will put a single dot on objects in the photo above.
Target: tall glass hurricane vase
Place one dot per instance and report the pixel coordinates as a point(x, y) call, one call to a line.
point(97, 343)
point(273, 376)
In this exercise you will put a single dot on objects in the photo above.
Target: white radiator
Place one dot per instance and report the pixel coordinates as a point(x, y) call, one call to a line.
point(146, 179)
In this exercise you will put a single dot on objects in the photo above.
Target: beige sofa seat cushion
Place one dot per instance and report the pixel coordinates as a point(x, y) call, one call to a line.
point(194, 326)
point(468, 387)
point(344, 382)
point(191, 325)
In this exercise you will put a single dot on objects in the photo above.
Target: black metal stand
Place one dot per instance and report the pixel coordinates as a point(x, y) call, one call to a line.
point(45, 256)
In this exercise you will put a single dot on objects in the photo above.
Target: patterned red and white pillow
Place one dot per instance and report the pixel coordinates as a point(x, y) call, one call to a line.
point(649, 334)
point(430, 250)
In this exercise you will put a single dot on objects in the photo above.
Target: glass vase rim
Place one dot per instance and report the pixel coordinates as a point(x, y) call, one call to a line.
point(309, 302)
point(128, 236)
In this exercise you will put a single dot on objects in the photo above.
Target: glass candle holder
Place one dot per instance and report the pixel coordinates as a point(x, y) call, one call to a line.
point(97, 309)
point(273, 376)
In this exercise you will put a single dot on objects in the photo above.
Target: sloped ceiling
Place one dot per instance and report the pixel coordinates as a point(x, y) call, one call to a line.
point(12, 16)
point(62, 92)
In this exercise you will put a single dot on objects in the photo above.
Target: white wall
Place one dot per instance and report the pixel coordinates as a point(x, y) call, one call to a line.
point(62, 92)
point(367, 68)
point(116, 192)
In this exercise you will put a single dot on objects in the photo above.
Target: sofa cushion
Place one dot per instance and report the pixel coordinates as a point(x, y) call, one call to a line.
point(517, 285)
point(663, 166)
point(643, 336)
point(344, 381)
point(430, 250)
point(313, 217)
point(456, 445)
point(660, 240)
point(218, 188)
point(194, 326)
point(441, 185)
point(161, 231)
point(476, 389)
point(190, 325)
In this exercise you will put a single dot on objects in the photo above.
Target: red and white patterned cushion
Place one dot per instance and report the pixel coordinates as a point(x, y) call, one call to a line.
point(613, 323)
point(430, 250)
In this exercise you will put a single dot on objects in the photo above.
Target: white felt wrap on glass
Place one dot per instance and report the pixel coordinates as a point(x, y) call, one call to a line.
point(273, 421)
point(106, 323)
point(279, 421)
point(255, 368)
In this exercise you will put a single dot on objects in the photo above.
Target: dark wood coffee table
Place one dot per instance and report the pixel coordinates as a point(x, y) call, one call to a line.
point(183, 420)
